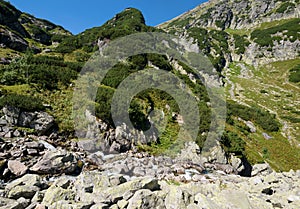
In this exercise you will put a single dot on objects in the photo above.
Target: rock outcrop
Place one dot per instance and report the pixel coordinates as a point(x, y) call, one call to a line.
point(40, 122)
point(228, 17)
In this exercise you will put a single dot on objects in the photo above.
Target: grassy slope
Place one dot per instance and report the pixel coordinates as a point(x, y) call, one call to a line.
point(269, 88)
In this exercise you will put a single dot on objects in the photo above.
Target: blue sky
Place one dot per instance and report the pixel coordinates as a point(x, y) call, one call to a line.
point(78, 15)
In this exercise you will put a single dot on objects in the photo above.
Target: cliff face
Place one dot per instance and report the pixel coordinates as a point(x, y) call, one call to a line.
point(257, 32)
point(238, 14)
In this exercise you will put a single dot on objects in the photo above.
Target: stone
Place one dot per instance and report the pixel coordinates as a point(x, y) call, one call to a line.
point(251, 126)
point(9, 134)
point(236, 163)
point(190, 153)
point(33, 145)
point(32, 152)
point(261, 169)
point(3, 122)
point(96, 158)
point(25, 186)
point(197, 178)
point(175, 198)
point(55, 194)
point(42, 123)
point(122, 204)
point(293, 198)
point(26, 118)
point(177, 169)
point(16, 133)
point(40, 206)
point(16, 167)
point(23, 203)
point(139, 171)
point(144, 198)
point(115, 148)
point(56, 162)
point(216, 154)
point(11, 114)
point(256, 180)
point(26, 180)
point(6, 203)
point(25, 191)
point(116, 180)
point(117, 193)
point(47, 146)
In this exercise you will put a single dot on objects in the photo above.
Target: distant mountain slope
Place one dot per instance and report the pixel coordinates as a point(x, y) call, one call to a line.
point(255, 31)
point(20, 31)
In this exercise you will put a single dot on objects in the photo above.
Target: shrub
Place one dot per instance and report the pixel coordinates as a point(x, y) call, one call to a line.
point(295, 74)
point(240, 43)
point(263, 118)
point(24, 102)
point(232, 143)
point(264, 37)
point(263, 91)
point(285, 7)
point(47, 72)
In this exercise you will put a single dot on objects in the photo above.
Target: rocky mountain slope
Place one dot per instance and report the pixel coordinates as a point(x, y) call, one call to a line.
point(254, 47)
point(20, 31)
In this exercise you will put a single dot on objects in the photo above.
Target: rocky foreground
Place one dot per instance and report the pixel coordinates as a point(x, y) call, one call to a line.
point(37, 173)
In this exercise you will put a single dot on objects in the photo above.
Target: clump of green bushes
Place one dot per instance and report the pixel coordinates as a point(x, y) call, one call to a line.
point(44, 72)
point(23, 102)
point(290, 29)
point(264, 119)
point(295, 74)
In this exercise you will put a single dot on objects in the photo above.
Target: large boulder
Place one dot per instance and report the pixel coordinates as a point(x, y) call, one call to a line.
point(144, 198)
point(55, 194)
point(176, 198)
point(119, 192)
point(6, 203)
point(57, 162)
point(191, 152)
point(11, 114)
point(261, 169)
point(42, 122)
point(16, 167)
point(25, 187)
point(216, 154)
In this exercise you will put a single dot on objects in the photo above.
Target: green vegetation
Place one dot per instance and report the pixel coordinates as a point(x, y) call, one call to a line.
point(146, 101)
point(240, 43)
point(42, 71)
point(209, 41)
point(295, 74)
point(180, 23)
point(285, 7)
point(263, 118)
point(24, 102)
point(263, 91)
point(232, 143)
point(266, 37)
point(125, 23)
